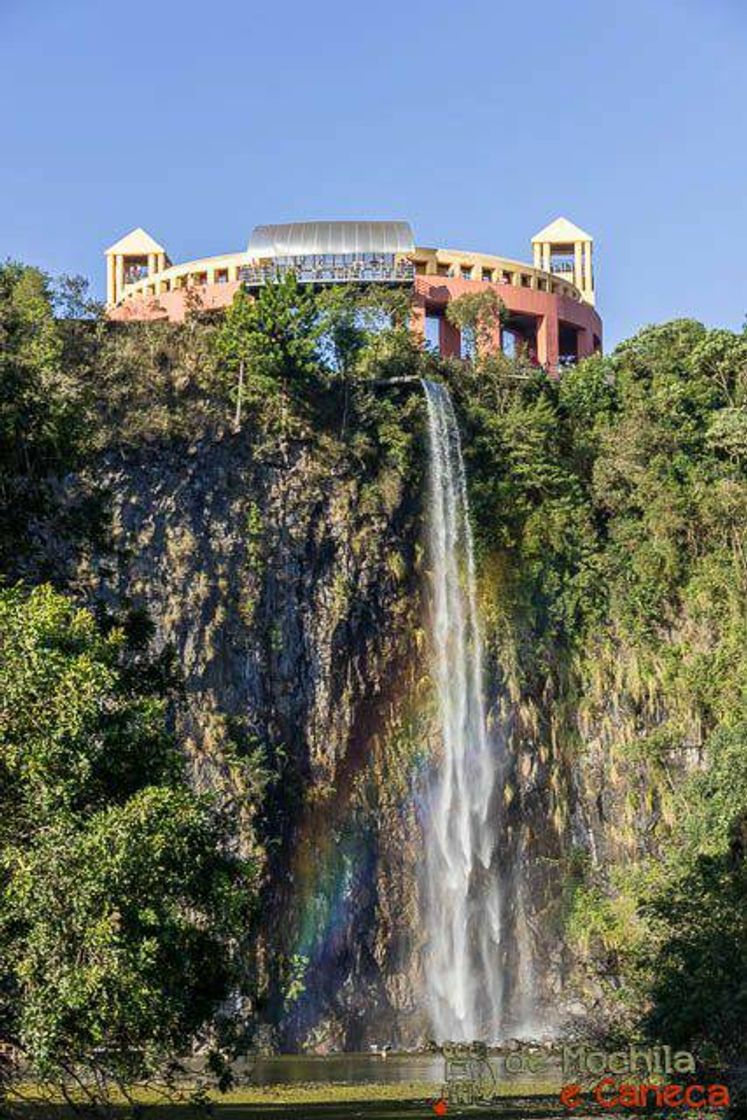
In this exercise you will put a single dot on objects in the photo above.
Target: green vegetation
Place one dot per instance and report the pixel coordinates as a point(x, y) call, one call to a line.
point(609, 513)
point(610, 510)
point(120, 907)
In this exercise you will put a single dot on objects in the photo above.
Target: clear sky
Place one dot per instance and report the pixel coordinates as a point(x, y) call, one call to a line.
point(479, 121)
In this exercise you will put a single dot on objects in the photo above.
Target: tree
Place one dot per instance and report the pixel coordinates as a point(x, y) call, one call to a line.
point(271, 341)
point(233, 344)
point(343, 332)
point(696, 954)
point(120, 903)
point(478, 315)
point(38, 402)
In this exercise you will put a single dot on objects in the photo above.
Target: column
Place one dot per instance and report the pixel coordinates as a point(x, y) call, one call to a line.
point(417, 319)
point(110, 279)
point(578, 267)
point(547, 343)
point(494, 340)
point(584, 343)
point(546, 258)
point(161, 262)
point(449, 341)
point(588, 280)
point(538, 249)
point(118, 277)
point(151, 263)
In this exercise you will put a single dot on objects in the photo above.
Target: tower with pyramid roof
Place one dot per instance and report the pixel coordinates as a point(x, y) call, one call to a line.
point(131, 258)
point(566, 250)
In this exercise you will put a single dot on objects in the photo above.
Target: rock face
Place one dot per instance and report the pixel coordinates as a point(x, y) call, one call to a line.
point(289, 585)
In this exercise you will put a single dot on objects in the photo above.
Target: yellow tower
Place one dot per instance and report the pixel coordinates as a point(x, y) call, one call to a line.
point(565, 249)
point(131, 258)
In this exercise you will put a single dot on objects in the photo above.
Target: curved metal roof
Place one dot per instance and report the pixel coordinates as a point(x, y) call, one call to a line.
point(302, 239)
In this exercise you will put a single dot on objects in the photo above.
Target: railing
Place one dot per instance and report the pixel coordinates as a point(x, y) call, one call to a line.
point(368, 271)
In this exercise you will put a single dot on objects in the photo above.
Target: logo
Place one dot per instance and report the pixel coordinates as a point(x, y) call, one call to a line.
point(570, 1096)
point(657, 1077)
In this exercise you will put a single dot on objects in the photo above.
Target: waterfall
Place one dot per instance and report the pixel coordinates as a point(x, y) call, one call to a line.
point(462, 896)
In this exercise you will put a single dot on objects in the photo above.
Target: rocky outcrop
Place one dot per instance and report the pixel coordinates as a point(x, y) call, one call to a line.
point(288, 581)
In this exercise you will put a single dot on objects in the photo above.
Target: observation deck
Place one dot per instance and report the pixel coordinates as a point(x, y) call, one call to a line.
point(549, 303)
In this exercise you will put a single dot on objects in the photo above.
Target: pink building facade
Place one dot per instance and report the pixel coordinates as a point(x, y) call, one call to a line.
point(548, 307)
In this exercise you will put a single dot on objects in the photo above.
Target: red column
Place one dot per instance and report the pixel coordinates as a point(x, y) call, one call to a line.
point(417, 318)
point(449, 340)
point(584, 343)
point(547, 343)
point(493, 339)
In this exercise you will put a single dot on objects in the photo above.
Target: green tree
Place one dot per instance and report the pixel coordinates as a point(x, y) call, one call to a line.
point(695, 957)
point(478, 316)
point(120, 903)
point(233, 343)
point(39, 403)
point(271, 341)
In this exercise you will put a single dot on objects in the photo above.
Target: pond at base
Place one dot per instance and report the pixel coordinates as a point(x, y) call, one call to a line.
point(342, 1069)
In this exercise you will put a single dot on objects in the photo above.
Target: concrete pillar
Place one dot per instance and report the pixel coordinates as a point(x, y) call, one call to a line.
point(495, 340)
point(547, 343)
point(584, 343)
point(151, 263)
point(538, 255)
point(210, 275)
point(417, 319)
point(118, 277)
point(577, 265)
point(449, 340)
point(588, 280)
point(546, 258)
point(110, 279)
point(161, 262)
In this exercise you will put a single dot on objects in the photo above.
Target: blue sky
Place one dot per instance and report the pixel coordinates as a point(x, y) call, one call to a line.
point(477, 121)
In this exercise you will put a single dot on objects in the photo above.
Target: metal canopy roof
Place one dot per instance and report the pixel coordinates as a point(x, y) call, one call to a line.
point(308, 239)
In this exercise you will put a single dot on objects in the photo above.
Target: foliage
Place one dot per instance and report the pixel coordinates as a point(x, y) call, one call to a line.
point(610, 511)
point(695, 955)
point(274, 337)
point(39, 402)
point(120, 902)
point(477, 315)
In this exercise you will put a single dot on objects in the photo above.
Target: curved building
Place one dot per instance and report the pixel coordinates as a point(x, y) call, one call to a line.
point(549, 304)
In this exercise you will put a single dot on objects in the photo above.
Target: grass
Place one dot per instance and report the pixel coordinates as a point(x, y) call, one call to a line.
point(323, 1102)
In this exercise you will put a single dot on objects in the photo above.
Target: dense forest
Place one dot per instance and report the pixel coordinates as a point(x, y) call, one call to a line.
point(186, 510)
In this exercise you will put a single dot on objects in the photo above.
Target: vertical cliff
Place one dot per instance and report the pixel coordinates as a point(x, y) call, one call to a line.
point(285, 566)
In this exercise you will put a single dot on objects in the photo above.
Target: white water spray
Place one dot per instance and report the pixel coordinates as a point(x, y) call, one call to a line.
point(463, 905)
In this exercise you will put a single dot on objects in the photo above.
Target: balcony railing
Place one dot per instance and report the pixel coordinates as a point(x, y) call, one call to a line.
point(332, 270)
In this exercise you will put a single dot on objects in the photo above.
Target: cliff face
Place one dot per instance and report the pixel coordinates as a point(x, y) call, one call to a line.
point(285, 567)
point(287, 583)
point(290, 588)
point(288, 579)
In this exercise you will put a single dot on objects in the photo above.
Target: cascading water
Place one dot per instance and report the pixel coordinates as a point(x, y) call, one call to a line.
point(463, 904)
